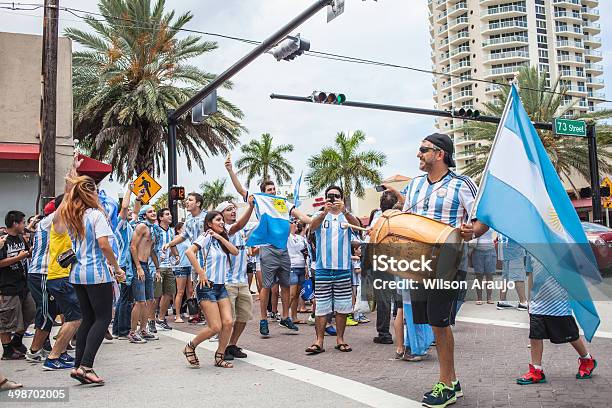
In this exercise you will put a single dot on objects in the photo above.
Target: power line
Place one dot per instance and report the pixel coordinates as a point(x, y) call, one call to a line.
point(318, 54)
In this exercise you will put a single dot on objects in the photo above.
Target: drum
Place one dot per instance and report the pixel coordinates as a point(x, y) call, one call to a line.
point(412, 240)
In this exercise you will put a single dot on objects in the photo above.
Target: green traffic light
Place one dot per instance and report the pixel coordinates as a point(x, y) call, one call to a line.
point(340, 99)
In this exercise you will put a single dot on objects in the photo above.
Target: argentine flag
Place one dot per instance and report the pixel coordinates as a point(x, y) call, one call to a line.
point(296, 192)
point(522, 197)
point(273, 215)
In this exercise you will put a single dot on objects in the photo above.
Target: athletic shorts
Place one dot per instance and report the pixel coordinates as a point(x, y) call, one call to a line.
point(143, 290)
point(333, 291)
point(484, 261)
point(435, 307)
point(241, 300)
point(167, 286)
point(275, 266)
point(559, 329)
point(16, 312)
point(514, 270)
point(46, 307)
point(297, 277)
point(64, 294)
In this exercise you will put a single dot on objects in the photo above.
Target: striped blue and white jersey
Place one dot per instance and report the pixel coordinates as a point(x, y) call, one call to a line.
point(547, 296)
point(333, 243)
point(217, 262)
point(39, 263)
point(123, 235)
point(194, 226)
point(162, 237)
point(91, 267)
point(183, 260)
point(237, 272)
point(448, 200)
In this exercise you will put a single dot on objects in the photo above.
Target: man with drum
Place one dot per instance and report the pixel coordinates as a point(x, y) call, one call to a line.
point(444, 196)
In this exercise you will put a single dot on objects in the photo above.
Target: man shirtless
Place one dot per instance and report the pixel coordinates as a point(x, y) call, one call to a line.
point(141, 249)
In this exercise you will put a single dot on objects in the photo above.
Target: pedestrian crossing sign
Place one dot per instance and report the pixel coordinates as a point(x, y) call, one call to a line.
point(607, 201)
point(148, 183)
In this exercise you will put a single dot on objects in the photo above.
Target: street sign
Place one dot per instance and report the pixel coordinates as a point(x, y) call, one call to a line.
point(148, 183)
point(607, 201)
point(568, 127)
point(335, 9)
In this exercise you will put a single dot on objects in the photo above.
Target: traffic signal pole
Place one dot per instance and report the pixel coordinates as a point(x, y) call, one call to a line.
point(173, 116)
point(592, 142)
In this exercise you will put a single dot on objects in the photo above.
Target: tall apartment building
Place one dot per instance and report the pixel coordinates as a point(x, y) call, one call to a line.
point(492, 39)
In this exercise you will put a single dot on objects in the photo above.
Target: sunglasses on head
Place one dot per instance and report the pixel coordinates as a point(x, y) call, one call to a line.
point(424, 149)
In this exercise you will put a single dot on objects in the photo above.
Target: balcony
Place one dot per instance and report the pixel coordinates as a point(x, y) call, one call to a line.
point(491, 88)
point(441, 16)
point(492, 2)
point(597, 95)
point(569, 3)
point(592, 41)
point(590, 13)
point(568, 16)
point(594, 67)
point(593, 55)
point(591, 27)
point(460, 67)
point(503, 12)
point(462, 95)
point(591, 3)
point(570, 45)
point(443, 28)
point(576, 89)
point(440, 4)
point(568, 74)
point(565, 29)
point(466, 154)
point(595, 82)
point(461, 140)
point(506, 57)
point(570, 59)
point(505, 41)
point(459, 52)
point(466, 80)
point(457, 9)
point(504, 71)
point(458, 23)
point(503, 26)
point(459, 37)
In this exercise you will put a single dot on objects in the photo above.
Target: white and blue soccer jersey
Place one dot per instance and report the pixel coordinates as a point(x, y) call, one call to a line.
point(123, 235)
point(333, 243)
point(216, 260)
point(90, 267)
point(547, 296)
point(163, 237)
point(39, 262)
point(237, 272)
point(448, 200)
point(194, 226)
point(183, 260)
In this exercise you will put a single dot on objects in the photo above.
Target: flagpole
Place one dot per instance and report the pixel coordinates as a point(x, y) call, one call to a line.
point(486, 168)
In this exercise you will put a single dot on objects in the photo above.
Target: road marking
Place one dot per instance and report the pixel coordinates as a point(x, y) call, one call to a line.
point(517, 325)
point(363, 393)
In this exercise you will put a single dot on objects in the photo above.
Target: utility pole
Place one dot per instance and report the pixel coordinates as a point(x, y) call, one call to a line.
point(594, 170)
point(49, 102)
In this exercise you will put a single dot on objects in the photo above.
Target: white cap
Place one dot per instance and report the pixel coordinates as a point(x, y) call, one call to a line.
point(223, 206)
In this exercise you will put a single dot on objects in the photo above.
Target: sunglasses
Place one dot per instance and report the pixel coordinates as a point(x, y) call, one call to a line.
point(333, 196)
point(424, 149)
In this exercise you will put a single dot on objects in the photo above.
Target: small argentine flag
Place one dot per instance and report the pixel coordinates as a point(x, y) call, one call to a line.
point(296, 192)
point(273, 215)
point(521, 196)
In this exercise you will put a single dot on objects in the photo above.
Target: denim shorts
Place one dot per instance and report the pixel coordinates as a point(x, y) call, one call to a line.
point(484, 261)
point(214, 294)
point(143, 290)
point(514, 270)
point(297, 276)
point(182, 272)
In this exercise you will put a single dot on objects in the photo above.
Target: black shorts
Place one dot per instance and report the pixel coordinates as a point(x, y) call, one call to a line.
point(46, 307)
point(434, 306)
point(559, 329)
point(251, 267)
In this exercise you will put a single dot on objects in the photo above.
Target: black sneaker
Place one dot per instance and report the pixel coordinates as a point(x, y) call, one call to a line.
point(228, 355)
point(21, 349)
point(13, 355)
point(235, 351)
point(163, 325)
point(383, 340)
point(501, 305)
point(151, 327)
point(288, 324)
point(440, 396)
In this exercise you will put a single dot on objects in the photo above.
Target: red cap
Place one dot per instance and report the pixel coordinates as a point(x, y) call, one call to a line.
point(49, 208)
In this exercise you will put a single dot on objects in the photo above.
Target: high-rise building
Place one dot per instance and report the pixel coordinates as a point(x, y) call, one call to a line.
point(492, 39)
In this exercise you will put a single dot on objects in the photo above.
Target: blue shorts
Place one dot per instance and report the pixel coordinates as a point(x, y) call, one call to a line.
point(214, 294)
point(484, 261)
point(514, 270)
point(46, 307)
point(356, 279)
point(143, 290)
point(333, 291)
point(64, 294)
point(182, 272)
point(297, 276)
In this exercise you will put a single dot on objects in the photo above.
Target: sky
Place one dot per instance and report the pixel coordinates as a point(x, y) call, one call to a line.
point(385, 30)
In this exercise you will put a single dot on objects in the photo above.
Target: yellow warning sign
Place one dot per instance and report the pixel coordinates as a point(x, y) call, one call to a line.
point(607, 201)
point(145, 182)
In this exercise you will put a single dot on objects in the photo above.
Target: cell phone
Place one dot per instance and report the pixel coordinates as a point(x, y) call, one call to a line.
point(380, 188)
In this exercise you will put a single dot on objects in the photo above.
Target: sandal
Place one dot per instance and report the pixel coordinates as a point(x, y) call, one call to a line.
point(191, 356)
point(298, 321)
point(345, 348)
point(9, 385)
point(87, 376)
point(479, 302)
point(490, 302)
point(220, 362)
point(315, 349)
point(179, 320)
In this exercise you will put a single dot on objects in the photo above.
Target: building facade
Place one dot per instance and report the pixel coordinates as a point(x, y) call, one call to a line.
point(493, 39)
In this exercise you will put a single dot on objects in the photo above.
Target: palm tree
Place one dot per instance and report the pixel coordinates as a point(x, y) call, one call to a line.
point(214, 193)
point(261, 159)
point(344, 165)
point(133, 70)
point(568, 154)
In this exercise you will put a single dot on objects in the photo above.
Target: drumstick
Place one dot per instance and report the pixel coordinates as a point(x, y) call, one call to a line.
point(347, 225)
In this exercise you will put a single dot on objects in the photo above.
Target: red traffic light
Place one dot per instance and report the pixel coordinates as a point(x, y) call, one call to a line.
point(177, 193)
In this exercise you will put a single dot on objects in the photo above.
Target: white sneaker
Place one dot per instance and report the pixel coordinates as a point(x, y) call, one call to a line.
point(214, 339)
point(523, 306)
point(311, 321)
point(39, 357)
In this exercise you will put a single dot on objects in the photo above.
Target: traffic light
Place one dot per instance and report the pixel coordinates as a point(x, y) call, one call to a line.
point(466, 113)
point(290, 47)
point(331, 98)
point(177, 193)
point(205, 108)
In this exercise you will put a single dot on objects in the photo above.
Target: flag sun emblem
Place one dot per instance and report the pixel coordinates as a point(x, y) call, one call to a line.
point(554, 221)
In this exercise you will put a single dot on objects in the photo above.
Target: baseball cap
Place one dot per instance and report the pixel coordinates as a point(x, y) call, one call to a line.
point(445, 143)
point(223, 206)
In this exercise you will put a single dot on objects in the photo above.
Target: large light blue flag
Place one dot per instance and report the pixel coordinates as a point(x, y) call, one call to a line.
point(522, 197)
point(273, 227)
point(296, 192)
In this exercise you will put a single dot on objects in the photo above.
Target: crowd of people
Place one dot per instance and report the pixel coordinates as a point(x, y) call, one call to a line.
point(79, 264)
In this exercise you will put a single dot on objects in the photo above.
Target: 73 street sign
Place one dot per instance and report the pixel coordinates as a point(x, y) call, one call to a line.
point(568, 127)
